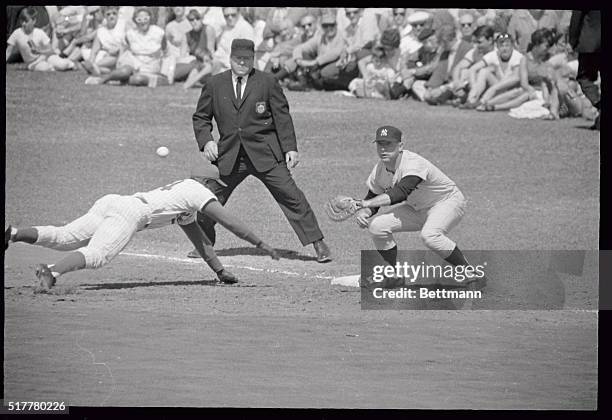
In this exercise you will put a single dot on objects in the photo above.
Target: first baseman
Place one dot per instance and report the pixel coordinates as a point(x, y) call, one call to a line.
point(98, 236)
point(420, 198)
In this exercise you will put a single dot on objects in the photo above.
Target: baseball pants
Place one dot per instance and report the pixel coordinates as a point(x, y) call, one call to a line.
point(434, 224)
point(283, 188)
point(101, 233)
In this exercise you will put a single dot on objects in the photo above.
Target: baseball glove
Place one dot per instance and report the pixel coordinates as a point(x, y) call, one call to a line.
point(341, 207)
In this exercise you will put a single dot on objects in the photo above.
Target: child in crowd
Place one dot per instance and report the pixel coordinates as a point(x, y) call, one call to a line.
point(34, 45)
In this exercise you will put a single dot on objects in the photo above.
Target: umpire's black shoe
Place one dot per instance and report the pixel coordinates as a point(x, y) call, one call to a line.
point(323, 252)
point(194, 254)
point(7, 237)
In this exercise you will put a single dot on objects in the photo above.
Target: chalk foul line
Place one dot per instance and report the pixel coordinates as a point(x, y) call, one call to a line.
point(244, 267)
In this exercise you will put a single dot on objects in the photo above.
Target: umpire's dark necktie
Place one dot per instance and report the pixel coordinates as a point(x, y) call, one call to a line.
point(239, 88)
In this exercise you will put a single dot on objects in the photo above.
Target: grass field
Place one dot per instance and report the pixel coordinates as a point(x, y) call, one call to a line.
point(149, 330)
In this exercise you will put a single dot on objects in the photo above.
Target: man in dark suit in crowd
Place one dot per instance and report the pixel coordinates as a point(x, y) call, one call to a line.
point(256, 138)
point(585, 39)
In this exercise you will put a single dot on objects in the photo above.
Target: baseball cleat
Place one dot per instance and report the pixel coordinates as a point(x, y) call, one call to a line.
point(47, 281)
point(7, 237)
point(194, 254)
point(226, 277)
point(323, 252)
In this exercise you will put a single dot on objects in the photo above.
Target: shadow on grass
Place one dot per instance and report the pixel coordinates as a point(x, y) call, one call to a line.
point(132, 285)
point(284, 253)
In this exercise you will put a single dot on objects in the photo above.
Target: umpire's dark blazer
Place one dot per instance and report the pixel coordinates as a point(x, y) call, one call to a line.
point(585, 31)
point(260, 122)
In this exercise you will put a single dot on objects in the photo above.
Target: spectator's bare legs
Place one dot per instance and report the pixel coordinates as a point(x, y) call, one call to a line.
point(500, 86)
point(506, 96)
point(121, 74)
point(484, 78)
point(197, 75)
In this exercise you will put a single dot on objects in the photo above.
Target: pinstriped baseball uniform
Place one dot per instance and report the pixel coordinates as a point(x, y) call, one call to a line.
point(433, 208)
point(114, 219)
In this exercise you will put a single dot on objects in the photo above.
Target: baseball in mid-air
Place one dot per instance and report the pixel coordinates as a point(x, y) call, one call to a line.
point(162, 151)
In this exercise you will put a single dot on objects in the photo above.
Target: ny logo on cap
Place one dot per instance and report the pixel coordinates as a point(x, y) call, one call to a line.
point(383, 132)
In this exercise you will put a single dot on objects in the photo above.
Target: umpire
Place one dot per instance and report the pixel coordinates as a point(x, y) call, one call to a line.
point(256, 138)
point(585, 39)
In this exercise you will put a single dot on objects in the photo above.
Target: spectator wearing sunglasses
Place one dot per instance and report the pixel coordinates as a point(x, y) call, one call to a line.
point(200, 44)
point(409, 43)
point(495, 73)
point(320, 71)
point(139, 62)
point(467, 26)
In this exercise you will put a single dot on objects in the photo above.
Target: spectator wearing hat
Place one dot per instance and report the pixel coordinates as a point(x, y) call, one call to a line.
point(420, 65)
point(102, 58)
point(256, 137)
point(419, 20)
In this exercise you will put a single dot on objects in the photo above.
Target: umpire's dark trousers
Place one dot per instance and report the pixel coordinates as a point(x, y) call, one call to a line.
point(588, 67)
point(280, 183)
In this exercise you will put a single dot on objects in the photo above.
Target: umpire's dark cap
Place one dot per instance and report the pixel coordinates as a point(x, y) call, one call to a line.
point(243, 47)
point(388, 132)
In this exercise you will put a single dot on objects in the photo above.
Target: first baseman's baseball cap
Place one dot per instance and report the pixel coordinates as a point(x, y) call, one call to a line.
point(388, 132)
point(243, 47)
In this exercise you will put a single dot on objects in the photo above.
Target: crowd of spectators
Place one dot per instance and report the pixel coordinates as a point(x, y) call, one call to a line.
point(482, 59)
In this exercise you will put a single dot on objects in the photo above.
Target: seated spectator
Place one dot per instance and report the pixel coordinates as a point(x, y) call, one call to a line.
point(380, 69)
point(281, 61)
point(201, 44)
point(235, 27)
point(139, 62)
point(320, 71)
point(525, 21)
point(420, 65)
point(453, 49)
point(102, 58)
point(409, 42)
point(485, 43)
point(34, 45)
point(176, 34)
point(277, 39)
point(75, 43)
point(498, 70)
point(359, 39)
point(466, 26)
point(418, 21)
point(536, 75)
